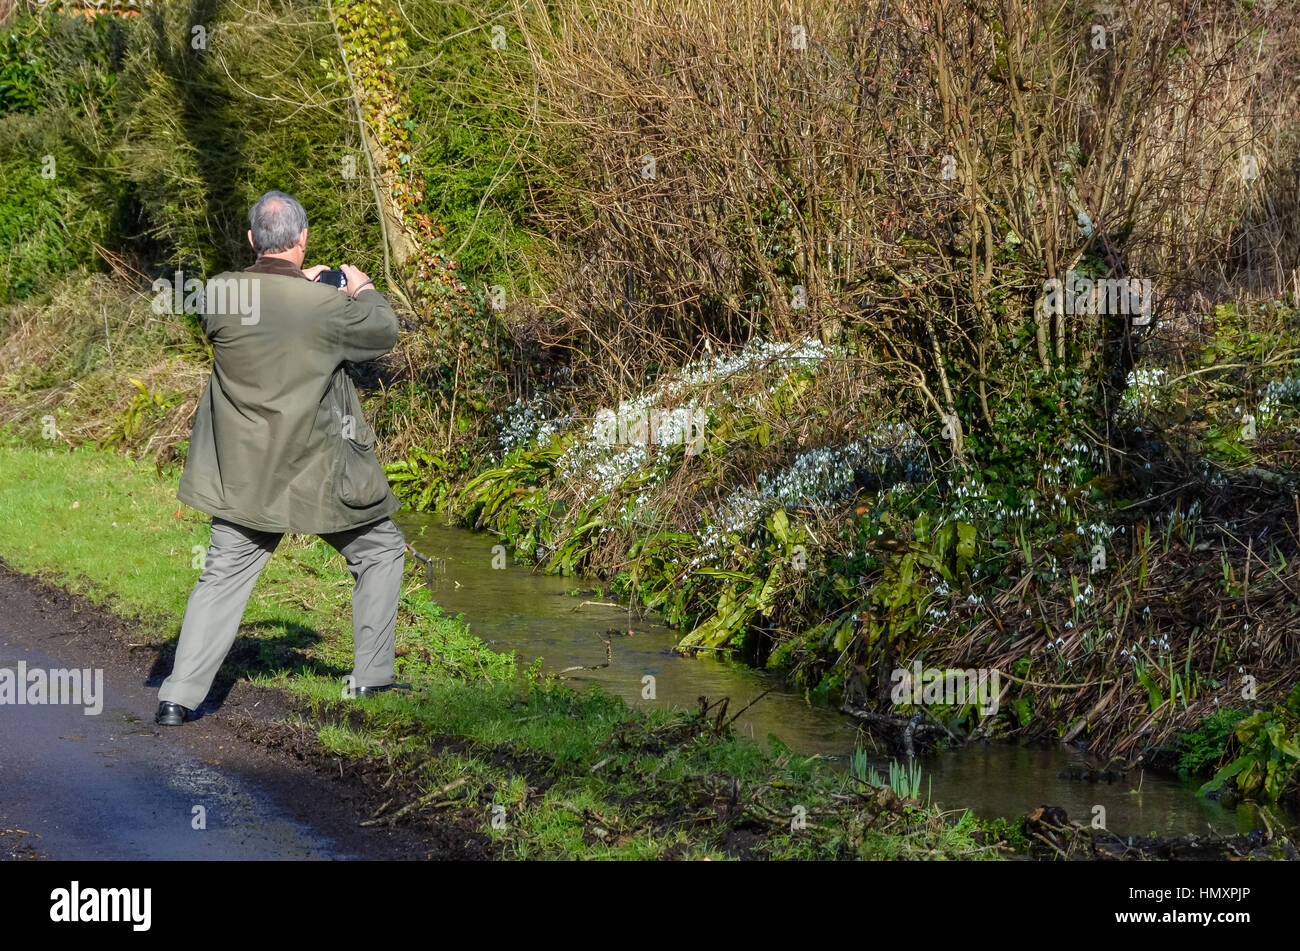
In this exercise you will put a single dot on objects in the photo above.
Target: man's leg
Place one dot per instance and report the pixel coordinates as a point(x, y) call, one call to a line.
point(236, 556)
point(376, 555)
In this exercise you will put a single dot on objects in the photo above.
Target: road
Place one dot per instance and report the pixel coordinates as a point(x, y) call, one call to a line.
point(115, 786)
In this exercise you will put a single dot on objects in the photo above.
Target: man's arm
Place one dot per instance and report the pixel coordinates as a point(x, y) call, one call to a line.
point(369, 325)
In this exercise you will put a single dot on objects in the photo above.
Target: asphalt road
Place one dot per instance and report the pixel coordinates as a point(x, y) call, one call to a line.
point(113, 785)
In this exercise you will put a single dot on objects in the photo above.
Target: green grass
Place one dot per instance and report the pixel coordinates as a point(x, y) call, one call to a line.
point(575, 773)
point(97, 525)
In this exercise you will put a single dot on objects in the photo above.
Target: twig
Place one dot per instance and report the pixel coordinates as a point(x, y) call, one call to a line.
point(748, 705)
point(392, 820)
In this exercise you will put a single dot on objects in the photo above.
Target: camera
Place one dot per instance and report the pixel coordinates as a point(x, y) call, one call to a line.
point(334, 278)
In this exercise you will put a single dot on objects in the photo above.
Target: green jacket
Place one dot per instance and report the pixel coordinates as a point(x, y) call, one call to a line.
point(279, 442)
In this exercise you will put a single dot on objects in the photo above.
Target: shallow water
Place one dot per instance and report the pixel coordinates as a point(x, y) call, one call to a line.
point(537, 615)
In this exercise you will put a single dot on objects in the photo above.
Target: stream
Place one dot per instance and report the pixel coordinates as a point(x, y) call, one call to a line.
point(535, 615)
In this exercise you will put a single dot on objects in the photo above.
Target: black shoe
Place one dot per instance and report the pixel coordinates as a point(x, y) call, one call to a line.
point(373, 691)
point(171, 714)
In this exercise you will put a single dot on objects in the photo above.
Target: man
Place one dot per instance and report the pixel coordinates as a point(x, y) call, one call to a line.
point(280, 445)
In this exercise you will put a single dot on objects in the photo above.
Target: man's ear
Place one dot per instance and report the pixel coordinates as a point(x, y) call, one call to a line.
point(250, 240)
point(302, 240)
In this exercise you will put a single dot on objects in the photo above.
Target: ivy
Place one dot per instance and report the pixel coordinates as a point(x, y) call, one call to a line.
point(374, 44)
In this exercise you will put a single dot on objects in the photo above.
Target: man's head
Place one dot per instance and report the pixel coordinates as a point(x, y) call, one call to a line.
point(278, 227)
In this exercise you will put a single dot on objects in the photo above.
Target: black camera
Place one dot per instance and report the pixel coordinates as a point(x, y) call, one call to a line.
point(335, 278)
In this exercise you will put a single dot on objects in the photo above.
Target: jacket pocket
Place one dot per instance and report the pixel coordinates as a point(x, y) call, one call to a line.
point(360, 481)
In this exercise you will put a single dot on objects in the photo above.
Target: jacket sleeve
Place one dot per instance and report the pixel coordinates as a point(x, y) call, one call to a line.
point(369, 327)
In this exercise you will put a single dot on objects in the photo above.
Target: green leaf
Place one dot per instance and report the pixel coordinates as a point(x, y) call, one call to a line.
point(965, 545)
point(1223, 775)
point(780, 526)
point(767, 594)
point(1153, 692)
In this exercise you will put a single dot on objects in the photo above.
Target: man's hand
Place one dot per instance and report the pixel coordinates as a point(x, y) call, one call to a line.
point(315, 270)
point(357, 280)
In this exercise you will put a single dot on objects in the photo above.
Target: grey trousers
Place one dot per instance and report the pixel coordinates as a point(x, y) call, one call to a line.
point(375, 555)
